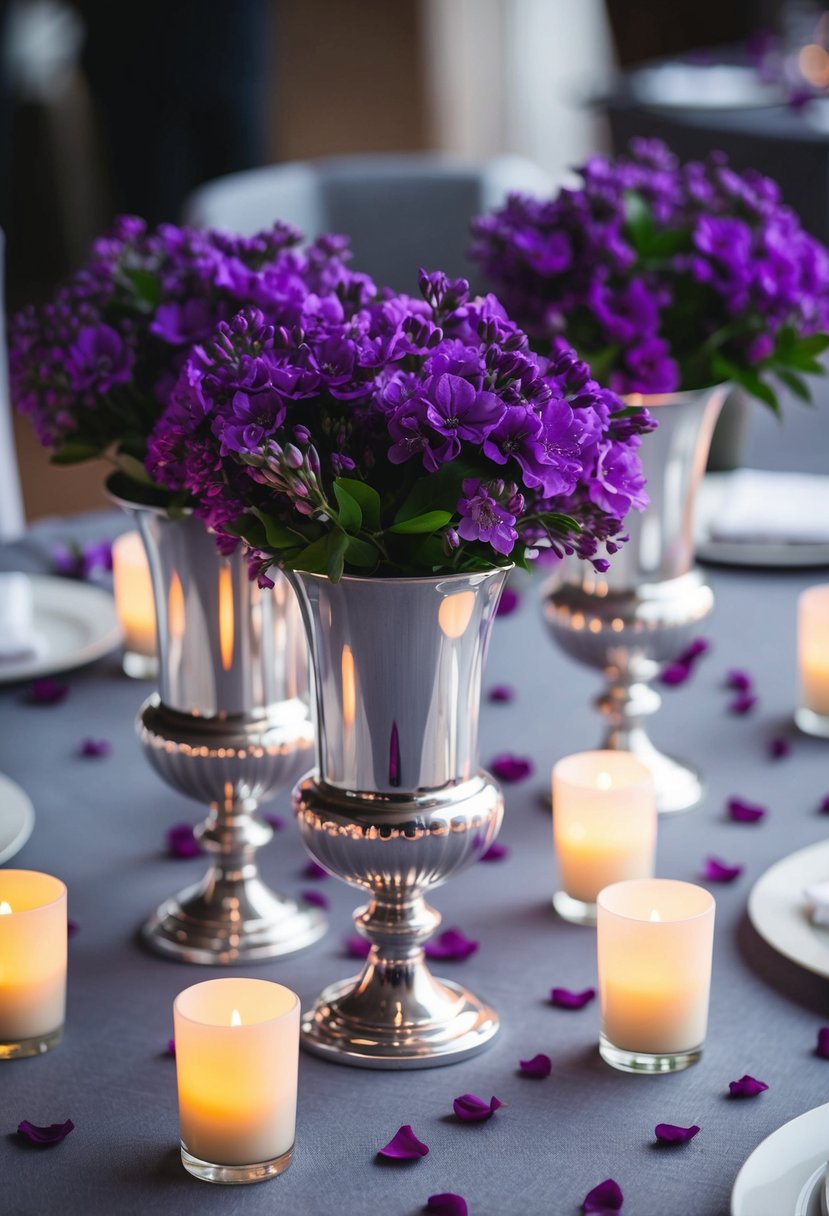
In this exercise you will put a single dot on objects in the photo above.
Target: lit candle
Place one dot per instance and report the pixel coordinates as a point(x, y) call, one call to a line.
point(604, 827)
point(655, 940)
point(813, 649)
point(134, 605)
point(33, 935)
point(237, 1055)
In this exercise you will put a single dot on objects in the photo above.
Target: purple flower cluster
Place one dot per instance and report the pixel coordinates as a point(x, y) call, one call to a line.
point(665, 276)
point(355, 428)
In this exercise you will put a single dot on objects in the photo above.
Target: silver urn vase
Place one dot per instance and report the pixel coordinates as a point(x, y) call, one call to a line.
point(645, 609)
point(229, 726)
point(398, 804)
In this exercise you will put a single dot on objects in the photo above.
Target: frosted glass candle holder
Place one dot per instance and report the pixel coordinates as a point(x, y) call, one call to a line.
point(33, 937)
point(604, 827)
point(655, 940)
point(135, 606)
point(237, 1057)
point(812, 715)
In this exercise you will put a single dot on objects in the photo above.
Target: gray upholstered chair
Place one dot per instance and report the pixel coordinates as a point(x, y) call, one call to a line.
point(401, 211)
point(11, 501)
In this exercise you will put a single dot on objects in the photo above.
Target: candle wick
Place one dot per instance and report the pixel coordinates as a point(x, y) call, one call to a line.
point(654, 915)
point(5, 909)
point(236, 1018)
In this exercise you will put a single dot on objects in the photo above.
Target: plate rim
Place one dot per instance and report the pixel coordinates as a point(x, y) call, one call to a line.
point(82, 600)
point(10, 789)
point(805, 1116)
point(758, 891)
point(770, 554)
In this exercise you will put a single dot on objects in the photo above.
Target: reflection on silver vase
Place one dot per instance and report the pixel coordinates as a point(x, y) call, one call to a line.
point(398, 803)
point(645, 609)
point(229, 726)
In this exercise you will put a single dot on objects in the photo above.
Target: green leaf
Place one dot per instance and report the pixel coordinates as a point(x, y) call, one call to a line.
point(814, 344)
point(361, 553)
point(74, 453)
point(313, 558)
point(146, 286)
point(724, 369)
point(350, 514)
point(133, 468)
point(250, 529)
point(794, 383)
point(366, 496)
point(441, 491)
point(276, 534)
point(638, 221)
point(429, 522)
point(336, 545)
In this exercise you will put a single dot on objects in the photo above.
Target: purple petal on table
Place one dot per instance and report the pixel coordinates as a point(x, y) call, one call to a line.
point(822, 1048)
point(739, 680)
point(182, 842)
point(171, 1047)
point(46, 692)
point(694, 651)
point(714, 870)
point(674, 674)
point(744, 812)
point(538, 1066)
point(495, 852)
point(565, 998)
point(471, 1109)
point(451, 946)
point(316, 898)
point(746, 1087)
point(67, 560)
point(95, 749)
point(743, 703)
point(509, 601)
point(315, 872)
point(606, 1197)
point(404, 1146)
point(501, 694)
point(275, 821)
point(824, 805)
point(44, 1136)
point(71, 928)
point(779, 749)
point(508, 767)
point(446, 1204)
point(356, 946)
point(670, 1133)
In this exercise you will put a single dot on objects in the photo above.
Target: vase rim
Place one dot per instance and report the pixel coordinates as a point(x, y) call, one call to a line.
point(679, 397)
point(114, 486)
point(410, 579)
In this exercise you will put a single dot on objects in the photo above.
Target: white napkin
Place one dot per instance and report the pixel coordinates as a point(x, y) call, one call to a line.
point(818, 898)
point(18, 639)
point(791, 508)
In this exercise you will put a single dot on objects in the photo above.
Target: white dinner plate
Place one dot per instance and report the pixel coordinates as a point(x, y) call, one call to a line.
point(696, 86)
point(76, 623)
point(710, 497)
point(779, 910)
point(17, 818)
point(784, 1174)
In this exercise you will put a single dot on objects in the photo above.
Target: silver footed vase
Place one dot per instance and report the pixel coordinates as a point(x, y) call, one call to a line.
point(645, 609)
point(398, 803)
point(229, 726)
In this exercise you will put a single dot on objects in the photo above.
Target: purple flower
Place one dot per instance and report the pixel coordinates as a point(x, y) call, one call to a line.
point(447, 1204)
point(510, 768)
point(779, 749)
point(46, 691)
point(565, 998)
point(316, 898)
point(670, 1133)
point(356, 946)
point(509, 601)
point(501, 694)
point(81, 561)
point(483, 519)
point(714, 870)
point(471, 1109)
point(451, 946)
point(605, 1198)
point(539, 1066)
point(43, 1137)
point(743, 703)
point(95, 749)
point(742, 811)
point(182, 841)
point(495, 852)
point(404, 1146)
point(458, 411)
point(98, 360)
point(746, 1087)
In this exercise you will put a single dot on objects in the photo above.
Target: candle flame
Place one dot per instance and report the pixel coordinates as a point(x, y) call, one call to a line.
point(604, 781)
point(5, 909)
point(655, 916)
point(236, 1018)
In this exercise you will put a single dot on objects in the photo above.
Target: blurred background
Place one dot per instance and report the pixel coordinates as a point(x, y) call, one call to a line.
point(132, 105)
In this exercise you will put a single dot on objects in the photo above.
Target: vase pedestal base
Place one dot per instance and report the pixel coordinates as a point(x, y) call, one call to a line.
point(678, 785)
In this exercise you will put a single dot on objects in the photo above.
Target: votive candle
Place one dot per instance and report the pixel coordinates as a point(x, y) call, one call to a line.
point(604, 827)
point(33, 938)
point(237, 1057)
point(134, 604)
point(813, 657)
point(655, 941)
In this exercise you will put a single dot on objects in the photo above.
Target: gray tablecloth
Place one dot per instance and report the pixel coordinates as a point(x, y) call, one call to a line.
point(101, 825)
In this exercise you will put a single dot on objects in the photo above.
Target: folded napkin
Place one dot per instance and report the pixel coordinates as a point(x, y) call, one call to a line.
point(18, 640)
point(818, 899)
point(790, 508)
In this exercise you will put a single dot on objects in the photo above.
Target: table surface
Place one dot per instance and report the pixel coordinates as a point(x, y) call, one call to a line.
point(101, 826)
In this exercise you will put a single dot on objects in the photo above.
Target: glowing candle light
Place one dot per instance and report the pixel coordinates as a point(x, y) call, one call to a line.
point(33, 937)
point(813, 653)
point(134, 604)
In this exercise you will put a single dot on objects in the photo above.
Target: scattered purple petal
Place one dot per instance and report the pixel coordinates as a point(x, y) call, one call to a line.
point(451, 946)
point(356, 946)
point(182, 842)
point(694, 651)
point(604, 1198)
point(714, 870)
point(674, 674)
point(509, 601)
point(824, 805)
point(471, 1109)
point(495, 852)
point(46, 692)
point(315, 898)
point(746, 1087)
point(501, 694)
point(171, 1048)
point(44, 1136)
point(565, 998)
point(744, 812)
point(80, 561)
point(404, 1146)
point(539, 1066)
point(743, 703)
point(275, 821)
point(72, 928)
point(315, 872)
point(739, 680)
point(508, 768)
point(822, 1048)
point(95, 749)
point(779, 749)
point(669, 1133)
point(446, 1204)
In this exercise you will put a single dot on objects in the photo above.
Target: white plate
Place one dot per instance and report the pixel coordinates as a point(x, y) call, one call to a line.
point(17, 818)
point(694, 86)
point(710, 497)
point(77, 623)
point(779, 910)
point(783, 1175)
